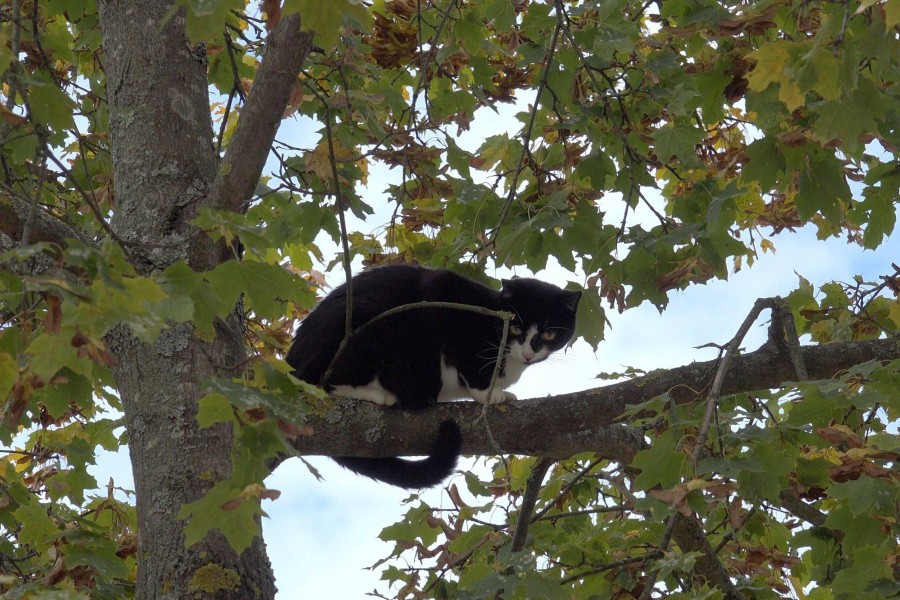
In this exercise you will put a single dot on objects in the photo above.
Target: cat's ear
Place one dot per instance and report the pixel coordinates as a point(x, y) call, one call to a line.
point(506, 291)
point(572, 299)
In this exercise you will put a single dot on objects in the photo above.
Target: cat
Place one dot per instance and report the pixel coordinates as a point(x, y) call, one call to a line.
point(425, 355)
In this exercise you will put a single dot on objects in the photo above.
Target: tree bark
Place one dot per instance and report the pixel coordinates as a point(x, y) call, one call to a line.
point(563, 425)
point(163, 161)
point(164, 168)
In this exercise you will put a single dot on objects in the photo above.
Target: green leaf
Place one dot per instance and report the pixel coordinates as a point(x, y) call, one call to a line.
point(859, 531)
point(214, 408)
point(206, 19)
point(678, 141)
point(662, 464)
point(766, 164)
point(414, 526)
point(52, 352)
point(822, 186)
point(596, 167)
point(9, 374)
point(763, 473)
point(70, 484)
point(50, 105)
point(497, 149)
point(179, 281)
point(97, 553)
point(868, 564)
point(257, 281)
point(501, 13)
point(866, 496)
point(326, 18)
point(223, 508)
point(38, 527)
point(846, 120)
point(878, 214)
point(591, 318)
point(68, 387)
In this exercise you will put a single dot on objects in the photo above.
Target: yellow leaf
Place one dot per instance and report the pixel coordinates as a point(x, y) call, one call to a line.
point(828, 82)
point(767, 246)
point(891, 14)
point(326, 18)
point(791, 94)
point(772, 62)
point(22, 460)
point(363, 165)
point(894, 312)
point(859, 453)
point(829, 454)
point(864, 4)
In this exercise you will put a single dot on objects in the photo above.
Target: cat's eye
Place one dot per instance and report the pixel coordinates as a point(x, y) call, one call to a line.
point(548, 336)
point(515, 330)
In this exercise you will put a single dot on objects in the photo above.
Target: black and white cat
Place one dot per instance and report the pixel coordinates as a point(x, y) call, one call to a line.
point(426, 355)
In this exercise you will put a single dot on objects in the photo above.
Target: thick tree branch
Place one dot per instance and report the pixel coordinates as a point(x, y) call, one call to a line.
point(570, 423)
point(238, 174)
point(44, 228)
point(690, 537)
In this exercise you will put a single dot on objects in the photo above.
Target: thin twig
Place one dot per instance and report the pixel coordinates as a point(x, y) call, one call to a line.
point(606, 567)
point(529, 129)
point(588, 512)
point(501, 351)
point(712, 398)
point(339, 200)
point(562, 493)
point(36, 196)
point(650, 582)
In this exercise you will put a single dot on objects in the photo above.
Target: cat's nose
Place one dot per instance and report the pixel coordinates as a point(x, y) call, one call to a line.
point(528, 354)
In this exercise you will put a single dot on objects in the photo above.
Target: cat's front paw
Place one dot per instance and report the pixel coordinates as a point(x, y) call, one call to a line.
point(498, 396)
point(501, 396)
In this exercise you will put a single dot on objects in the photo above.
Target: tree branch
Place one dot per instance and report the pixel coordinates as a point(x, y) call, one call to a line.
point(564, 425)
point(14, 213)
point(690, 537)
point(240, 169)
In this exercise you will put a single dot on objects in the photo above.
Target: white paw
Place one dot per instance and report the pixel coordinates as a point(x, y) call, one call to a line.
point(389, 399)
point(498, 396)
point(373, 393)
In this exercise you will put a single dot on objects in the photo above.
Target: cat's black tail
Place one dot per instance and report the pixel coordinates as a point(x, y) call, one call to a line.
point(413, 474)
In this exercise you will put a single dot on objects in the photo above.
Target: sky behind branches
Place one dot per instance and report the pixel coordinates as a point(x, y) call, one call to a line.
point(321, 535)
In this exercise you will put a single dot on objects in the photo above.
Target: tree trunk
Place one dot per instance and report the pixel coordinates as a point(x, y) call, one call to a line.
point(164, 164)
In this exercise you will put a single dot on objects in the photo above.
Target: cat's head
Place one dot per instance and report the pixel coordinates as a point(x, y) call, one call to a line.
point(545, 318)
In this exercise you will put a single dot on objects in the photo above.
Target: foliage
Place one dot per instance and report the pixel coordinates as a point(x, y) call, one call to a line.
point(657, 145)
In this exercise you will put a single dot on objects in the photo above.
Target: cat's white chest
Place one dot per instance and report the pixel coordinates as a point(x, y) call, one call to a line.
point(451, 386)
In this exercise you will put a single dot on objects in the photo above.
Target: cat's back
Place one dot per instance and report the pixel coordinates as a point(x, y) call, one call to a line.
point(382, 288)
point(375, 291)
